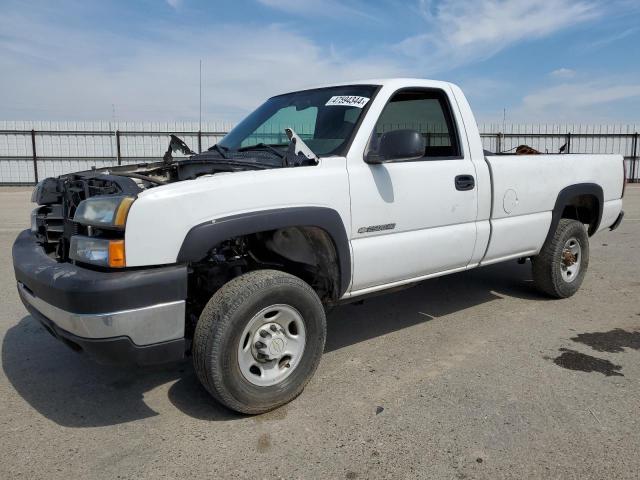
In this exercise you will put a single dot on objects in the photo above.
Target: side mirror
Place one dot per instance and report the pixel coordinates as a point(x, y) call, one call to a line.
point(397, 145)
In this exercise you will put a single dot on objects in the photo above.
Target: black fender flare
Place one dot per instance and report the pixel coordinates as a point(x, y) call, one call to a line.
point(565, 196)
point(203, 237)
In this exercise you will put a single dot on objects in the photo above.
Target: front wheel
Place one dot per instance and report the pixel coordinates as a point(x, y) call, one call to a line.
point(259, 340)
point(560, 267)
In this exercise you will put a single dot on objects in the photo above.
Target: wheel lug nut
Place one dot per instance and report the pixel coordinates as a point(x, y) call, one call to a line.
point(259, 344)
point(274, 328)
point(262, 356)
point(264, 334)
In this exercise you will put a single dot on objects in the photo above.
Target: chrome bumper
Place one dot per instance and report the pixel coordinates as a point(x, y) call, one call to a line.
point(144, 326)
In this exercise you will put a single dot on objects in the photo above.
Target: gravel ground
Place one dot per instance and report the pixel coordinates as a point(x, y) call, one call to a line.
point(473, 375)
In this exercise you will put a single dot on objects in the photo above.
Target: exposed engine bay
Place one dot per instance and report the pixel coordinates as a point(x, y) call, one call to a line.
point(59, 197)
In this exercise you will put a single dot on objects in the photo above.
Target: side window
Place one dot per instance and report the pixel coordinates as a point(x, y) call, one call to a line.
point(427, 112)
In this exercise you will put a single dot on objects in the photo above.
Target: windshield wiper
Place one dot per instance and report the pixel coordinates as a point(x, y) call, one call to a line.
point(264, 146)
point(236, 163)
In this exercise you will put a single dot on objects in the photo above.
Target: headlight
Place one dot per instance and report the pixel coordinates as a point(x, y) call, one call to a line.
point(104, 212)
point(97, 251)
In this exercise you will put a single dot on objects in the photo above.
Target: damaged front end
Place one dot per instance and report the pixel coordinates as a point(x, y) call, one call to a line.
point(58, 199)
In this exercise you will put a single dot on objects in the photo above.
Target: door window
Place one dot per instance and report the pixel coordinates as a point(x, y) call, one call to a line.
point(425, 111)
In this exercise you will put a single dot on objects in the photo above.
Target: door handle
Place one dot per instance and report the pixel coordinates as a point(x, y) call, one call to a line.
point(465, 182)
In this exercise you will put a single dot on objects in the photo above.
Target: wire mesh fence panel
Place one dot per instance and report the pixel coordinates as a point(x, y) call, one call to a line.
point(65, 147)
point(16, 171)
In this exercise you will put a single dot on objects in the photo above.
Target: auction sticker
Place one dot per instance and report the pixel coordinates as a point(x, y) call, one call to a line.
point(347, 101)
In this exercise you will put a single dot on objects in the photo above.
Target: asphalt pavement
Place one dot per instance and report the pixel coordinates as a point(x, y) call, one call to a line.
point(473, 375)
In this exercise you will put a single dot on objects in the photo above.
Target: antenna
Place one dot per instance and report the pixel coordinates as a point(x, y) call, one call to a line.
point(200, 101)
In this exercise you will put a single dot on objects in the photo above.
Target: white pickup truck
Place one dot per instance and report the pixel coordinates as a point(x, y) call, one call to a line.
point(318, 197)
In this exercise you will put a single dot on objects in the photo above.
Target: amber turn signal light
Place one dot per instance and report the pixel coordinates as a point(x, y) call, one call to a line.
point(123, 211)
point(116, 254)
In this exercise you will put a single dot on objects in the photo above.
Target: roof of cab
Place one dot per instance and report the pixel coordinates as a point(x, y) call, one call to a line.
point(394, 83)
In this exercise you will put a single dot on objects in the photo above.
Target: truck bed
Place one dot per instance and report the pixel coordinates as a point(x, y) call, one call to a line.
point(526, 187)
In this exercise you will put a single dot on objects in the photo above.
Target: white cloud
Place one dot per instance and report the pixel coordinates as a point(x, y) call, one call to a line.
point(563, 73)
point(601, 42)
point(50, 71)
point(601, 100)
point(580, 95)
point(158, 80)
point(461, 32)
point(324, 8)
point(174, 3)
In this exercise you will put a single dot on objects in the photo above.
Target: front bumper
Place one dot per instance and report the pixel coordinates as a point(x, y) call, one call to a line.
point(124, 317)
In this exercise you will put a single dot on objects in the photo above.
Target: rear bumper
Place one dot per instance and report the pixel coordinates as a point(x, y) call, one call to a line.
point(126, 317)
point(618, 221)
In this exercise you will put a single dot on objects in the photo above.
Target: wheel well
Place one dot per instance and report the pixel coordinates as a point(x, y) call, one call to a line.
point(585, 208)
point(304, 251)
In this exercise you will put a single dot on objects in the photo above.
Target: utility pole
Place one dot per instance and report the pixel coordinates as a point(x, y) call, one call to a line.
point(200, 113)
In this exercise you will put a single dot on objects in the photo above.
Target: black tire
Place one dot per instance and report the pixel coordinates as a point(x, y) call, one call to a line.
point(547, 265)
point(221, 324)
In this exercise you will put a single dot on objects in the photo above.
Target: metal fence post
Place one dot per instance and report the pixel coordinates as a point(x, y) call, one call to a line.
point(498, 142)
point(568, 143)
point(633, 168)
point(199, 141)
point(35, 157)
point(118, 156)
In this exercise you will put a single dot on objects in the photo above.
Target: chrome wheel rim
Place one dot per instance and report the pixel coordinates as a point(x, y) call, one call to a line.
point(570, 260)
point(271, 345)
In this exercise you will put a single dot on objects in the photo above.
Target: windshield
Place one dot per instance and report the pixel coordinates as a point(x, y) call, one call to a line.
point(324, 118)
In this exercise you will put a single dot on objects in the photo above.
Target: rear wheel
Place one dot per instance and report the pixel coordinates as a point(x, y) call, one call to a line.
point(560, 267)
point(259, 340)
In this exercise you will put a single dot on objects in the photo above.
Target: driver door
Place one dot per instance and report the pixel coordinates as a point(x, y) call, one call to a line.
point(412, 219)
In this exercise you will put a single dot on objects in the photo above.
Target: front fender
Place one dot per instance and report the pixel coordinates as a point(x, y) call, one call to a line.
point(205, 236)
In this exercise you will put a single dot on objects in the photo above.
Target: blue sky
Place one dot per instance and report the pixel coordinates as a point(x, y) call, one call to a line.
point(542, 61)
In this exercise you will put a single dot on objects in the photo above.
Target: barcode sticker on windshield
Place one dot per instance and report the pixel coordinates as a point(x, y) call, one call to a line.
point(347, 101)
